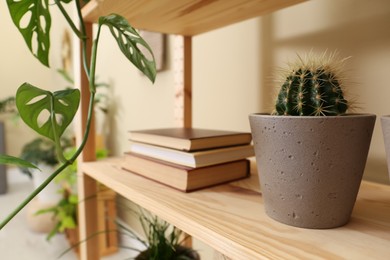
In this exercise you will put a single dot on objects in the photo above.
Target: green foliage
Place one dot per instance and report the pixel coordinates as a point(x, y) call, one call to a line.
point(33, 20)
point(40, 150)
point(312, 87)
point(7, 159)
point(129, 42)
point(62, 106)
point(7, 106)
point(65, 212)
point(163, 241)
point(101, 99)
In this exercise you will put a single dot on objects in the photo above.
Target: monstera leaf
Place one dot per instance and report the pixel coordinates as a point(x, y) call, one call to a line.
point(32, 18)
point(47, 113)
point(129, 42)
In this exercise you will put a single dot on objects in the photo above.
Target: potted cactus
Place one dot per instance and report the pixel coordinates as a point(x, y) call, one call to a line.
point(310, 154)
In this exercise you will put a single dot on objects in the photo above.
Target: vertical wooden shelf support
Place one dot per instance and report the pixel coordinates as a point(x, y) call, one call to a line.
point(87, 187)
point(182, 69)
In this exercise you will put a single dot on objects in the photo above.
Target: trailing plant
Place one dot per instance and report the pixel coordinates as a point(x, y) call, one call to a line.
point(312, 86)
point(33, 20)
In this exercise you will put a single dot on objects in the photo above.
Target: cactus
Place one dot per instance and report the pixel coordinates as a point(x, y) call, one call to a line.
point(312, 87)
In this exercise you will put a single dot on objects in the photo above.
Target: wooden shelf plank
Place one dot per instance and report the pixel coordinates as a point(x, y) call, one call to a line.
point(184, 17)
point(231, 218)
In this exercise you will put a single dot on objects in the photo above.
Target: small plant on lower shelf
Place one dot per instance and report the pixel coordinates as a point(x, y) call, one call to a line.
point(163, 241)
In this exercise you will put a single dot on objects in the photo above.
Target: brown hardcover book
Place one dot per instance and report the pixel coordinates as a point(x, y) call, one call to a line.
point(193, 159)
point(190, 139)
point(185, 178)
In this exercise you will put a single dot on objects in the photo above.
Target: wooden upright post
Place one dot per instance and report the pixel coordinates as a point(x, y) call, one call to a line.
point(87, 187)
point(182, 69)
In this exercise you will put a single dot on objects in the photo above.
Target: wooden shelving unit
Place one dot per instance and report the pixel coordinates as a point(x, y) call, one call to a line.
point(230, 217)
point(184, 17)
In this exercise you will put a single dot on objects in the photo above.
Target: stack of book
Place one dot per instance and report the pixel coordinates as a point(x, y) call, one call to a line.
point(189, 158)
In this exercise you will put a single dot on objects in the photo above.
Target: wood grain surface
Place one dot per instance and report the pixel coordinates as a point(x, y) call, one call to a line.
point(231, 218)
point(184, 17)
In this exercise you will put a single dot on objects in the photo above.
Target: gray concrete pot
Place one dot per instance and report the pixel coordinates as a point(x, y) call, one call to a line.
point(385, 121)
point(311, 167)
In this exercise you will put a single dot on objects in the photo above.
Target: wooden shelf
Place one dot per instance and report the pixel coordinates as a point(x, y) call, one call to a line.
point(183, 17)
point(231, 218)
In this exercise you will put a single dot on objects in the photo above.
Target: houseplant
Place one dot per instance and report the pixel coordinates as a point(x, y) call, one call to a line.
point(33, 20)
point(162, 241)
point(310, 154)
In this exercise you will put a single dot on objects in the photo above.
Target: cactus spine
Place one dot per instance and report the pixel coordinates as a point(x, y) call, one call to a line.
point(312, 87)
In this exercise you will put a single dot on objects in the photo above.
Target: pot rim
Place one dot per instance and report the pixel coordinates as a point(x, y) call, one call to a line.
point(348, 115)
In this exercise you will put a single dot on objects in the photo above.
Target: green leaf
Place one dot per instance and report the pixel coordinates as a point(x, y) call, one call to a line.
point(38, 107)
point(10, 160)
point(47, 210)
point(73, 199)
point(130, 42)
point(32, 18)
point(67, 222)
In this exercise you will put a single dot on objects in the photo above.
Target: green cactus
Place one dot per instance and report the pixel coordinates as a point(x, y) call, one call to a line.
point(312, 87)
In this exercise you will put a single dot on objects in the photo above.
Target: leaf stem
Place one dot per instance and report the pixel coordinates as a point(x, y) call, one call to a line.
point(32, 195)
point(87, 129)
point(92, 87)
point(83, 39)
point(69, 20)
